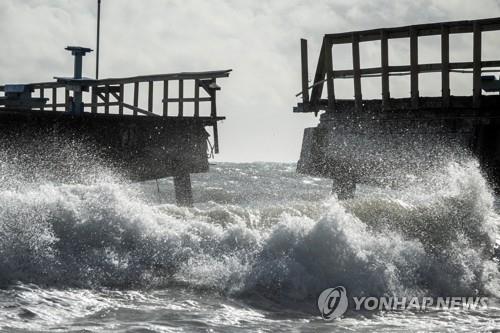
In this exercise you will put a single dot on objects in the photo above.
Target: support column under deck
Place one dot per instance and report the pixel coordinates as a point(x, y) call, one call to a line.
point(183, 191)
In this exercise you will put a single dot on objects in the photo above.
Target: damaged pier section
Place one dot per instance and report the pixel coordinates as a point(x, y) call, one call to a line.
point(149, 127)
point(359, 140)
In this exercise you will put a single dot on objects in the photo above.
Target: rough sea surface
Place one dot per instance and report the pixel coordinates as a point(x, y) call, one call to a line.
point(254, 253)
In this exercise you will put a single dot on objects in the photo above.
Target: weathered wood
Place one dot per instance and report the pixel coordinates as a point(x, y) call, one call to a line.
point(139, 110)
point(54, 99)
point(319, 77)
point(189, 99)
point(455, 27)
point(93, 99)
point(329, 76)
point(445, 65)
point(357, 73)
point(384, 63)
point(476, 59)
point(121, 99)
point(150, 96)
point(136, 98)
point(216, 138)
point(106, 99)
point(67, 100)
point(165, 98)
point(181, 98)
point(305, 70)
point(414, 67)
point(42, 95)
point(213, 104)
point(196, 98)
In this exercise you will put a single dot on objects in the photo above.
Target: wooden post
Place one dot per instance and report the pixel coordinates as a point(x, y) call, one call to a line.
point(93, 108)
point(136, 97)
point(414, 66)
point(150, 96)
point(445, 66)
point(196, 98)
point(165, 98)
point(122, 99)
point(216, 138)
point(329, 75)
point(305, 71)
point(42, 95)
point(181, 98)
point(67, 101)
point(213, 103)
point(476, 71)
point(358, 103)
point(183, 191)
point(106, 99)
point(54, 99)
point(384, 59)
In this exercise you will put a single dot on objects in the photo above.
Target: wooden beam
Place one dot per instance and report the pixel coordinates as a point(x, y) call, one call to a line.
point(384, 63)
point(196, 98)
point(319, 77)
point(136, 98)
point(476, 59)
point(54, 99)
point(67, 100)
point(357, 73)
point(106, 99)
point(121, 99)
point(213, 104)
point(181, 98)
point(139, 110)
point(305, 71)
point(150, 96)
point(445, 69)
point(329, 76)
point(93, 99)
point(42, 95)
point(414, 66)
point(165, 98)
point(216, 138)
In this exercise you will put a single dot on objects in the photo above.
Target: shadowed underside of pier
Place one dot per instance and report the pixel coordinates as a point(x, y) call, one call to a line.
point(359, 140)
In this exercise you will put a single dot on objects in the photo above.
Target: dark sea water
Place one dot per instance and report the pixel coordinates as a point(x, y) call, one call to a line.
point(259, 246)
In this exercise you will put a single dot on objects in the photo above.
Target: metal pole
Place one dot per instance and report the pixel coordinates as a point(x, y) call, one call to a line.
point(98, 34)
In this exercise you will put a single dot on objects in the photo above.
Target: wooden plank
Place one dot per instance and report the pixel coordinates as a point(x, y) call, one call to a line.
point(42, 95)
point(384, 63)
point(150, 96)
point(414, 66)
point(106, 99)
point(67, 100)
point(54, 99)
point(136, 98)
point(165, 98)
point(445, 69)
point(136, 110)
point(189, 99)
point(329, 77)
point(424, 30)
point(305, 71)
point(196, 98)
point(357, 73)
point(476, 59)
point(216, 138)
point(121, 99)
point(319, 77)
point(93, 99)
point(181, 98)
point(213, 104)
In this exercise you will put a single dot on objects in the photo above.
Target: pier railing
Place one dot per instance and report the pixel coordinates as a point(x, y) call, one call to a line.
point(107, 93)
point(312, 93)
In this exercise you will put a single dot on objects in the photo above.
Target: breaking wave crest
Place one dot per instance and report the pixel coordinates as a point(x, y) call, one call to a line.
point(435, 236)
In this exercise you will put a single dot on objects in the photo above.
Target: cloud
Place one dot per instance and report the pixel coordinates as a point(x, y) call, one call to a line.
point(258, 39)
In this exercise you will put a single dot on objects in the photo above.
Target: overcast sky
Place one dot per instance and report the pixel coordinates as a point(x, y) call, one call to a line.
point(259, 40)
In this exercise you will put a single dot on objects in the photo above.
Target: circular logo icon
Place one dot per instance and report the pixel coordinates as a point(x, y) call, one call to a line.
point(332, 303)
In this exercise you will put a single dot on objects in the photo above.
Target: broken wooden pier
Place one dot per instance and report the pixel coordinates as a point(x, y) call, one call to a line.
point(356, 137)
point(150, 126)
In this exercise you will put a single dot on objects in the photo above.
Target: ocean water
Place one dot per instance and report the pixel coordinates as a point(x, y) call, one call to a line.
point(253, 255)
